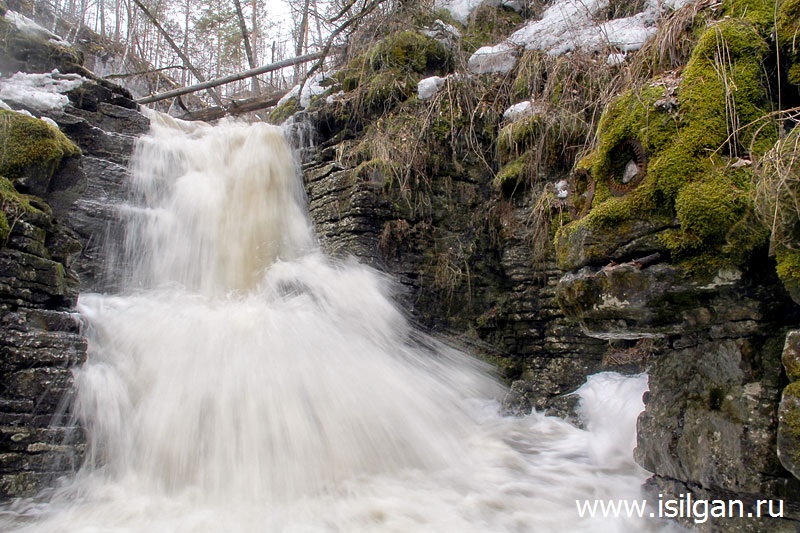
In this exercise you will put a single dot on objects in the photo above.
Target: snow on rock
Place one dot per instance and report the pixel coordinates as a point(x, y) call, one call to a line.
point(462, 9)
point(428, 87)
point(567, 25)
point(445, 33)
point(331, 98)
point(499, 58)
point(615, 59)
point(43, 93)
point(5, 106)
point(294, 92)
point(24, 24)
point(518, 111)
point(562, 189)
point(313, 88)
point(50, 121)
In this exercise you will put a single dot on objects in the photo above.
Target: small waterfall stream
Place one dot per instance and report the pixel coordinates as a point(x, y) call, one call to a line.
point(243, 382)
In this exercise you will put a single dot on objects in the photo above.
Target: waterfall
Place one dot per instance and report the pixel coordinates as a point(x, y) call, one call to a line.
point(240, 381)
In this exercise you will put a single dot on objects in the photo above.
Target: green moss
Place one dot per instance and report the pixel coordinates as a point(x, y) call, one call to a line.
point(722, 92)
point(516, 137)
point(12, 206)
point(29, 146)
point(489, 25)
point(284, 111)
point(633, 115)
point(788, 32)
point(514, 175)
point(788, 268)
point(707, 210)
point(760, 13)
point(410, 51)
point(791, 419)
point(722, 104)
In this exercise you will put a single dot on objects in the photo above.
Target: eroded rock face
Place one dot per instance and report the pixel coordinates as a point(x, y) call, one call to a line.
point(53, 249)
point(41, 340)
point(676, 258)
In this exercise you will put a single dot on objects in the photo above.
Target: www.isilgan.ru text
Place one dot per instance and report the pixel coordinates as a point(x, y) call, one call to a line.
point(684, 506)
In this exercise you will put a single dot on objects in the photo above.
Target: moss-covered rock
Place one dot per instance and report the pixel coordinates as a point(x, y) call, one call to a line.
point(667, 152)
point(410, 51)
point(13, 206)
point(789, 429)
point(788, 33)
point(489, 25)
point(31, 151)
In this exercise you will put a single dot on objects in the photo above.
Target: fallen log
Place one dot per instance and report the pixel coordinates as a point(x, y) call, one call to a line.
point(230, 78)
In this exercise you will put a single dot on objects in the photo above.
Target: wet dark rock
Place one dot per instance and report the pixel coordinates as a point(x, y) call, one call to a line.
point(55, 249)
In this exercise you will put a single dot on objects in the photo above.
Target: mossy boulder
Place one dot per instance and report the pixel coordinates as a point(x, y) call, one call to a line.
point(410, 51)
point(31, 151)
point(667, 151)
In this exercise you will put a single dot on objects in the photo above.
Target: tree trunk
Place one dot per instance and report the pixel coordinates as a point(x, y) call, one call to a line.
point(186, 61)
point(247, 48)
point(302, 31)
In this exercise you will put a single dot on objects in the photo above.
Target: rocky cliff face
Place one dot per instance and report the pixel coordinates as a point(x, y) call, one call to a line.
point(57, 194)
point(661, 258)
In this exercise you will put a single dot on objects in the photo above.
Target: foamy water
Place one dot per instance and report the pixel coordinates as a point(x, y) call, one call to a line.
point(242, 382)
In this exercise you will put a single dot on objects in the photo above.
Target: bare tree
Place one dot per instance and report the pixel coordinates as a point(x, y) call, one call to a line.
point(186, 61)
point(246, 40)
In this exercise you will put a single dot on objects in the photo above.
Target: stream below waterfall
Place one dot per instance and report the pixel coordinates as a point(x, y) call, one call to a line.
point(240, 381)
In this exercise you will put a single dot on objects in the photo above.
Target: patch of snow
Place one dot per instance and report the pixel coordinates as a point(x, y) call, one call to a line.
point(41, 92)
point(677, 4)
point(442, 32)
point(294, 92)
point(562, 189)
point(313, 88)
point(561, 27)
point(615, 59)
point(500, 58)
point(518, 111)
point(569, 24)
point(627, 34)
point(333, 97)
point(462, 9)
point(516, 5)
point(428, 87)
point(5, 106)
point(50, 121)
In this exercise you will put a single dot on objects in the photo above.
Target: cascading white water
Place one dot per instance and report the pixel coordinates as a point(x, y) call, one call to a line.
point(242, 382)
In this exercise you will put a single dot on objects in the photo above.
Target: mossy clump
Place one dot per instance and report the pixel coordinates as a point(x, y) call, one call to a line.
point(514, 176)
point(788, 32)
point(722, 93)
point(488, 25)
point(31, 150)
point(377, 80)
point(689, 135)
point(13, 205)
point(777, 185)
point(410, 51)
point(285, 110)
point(760, 13)
point(789, 428)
